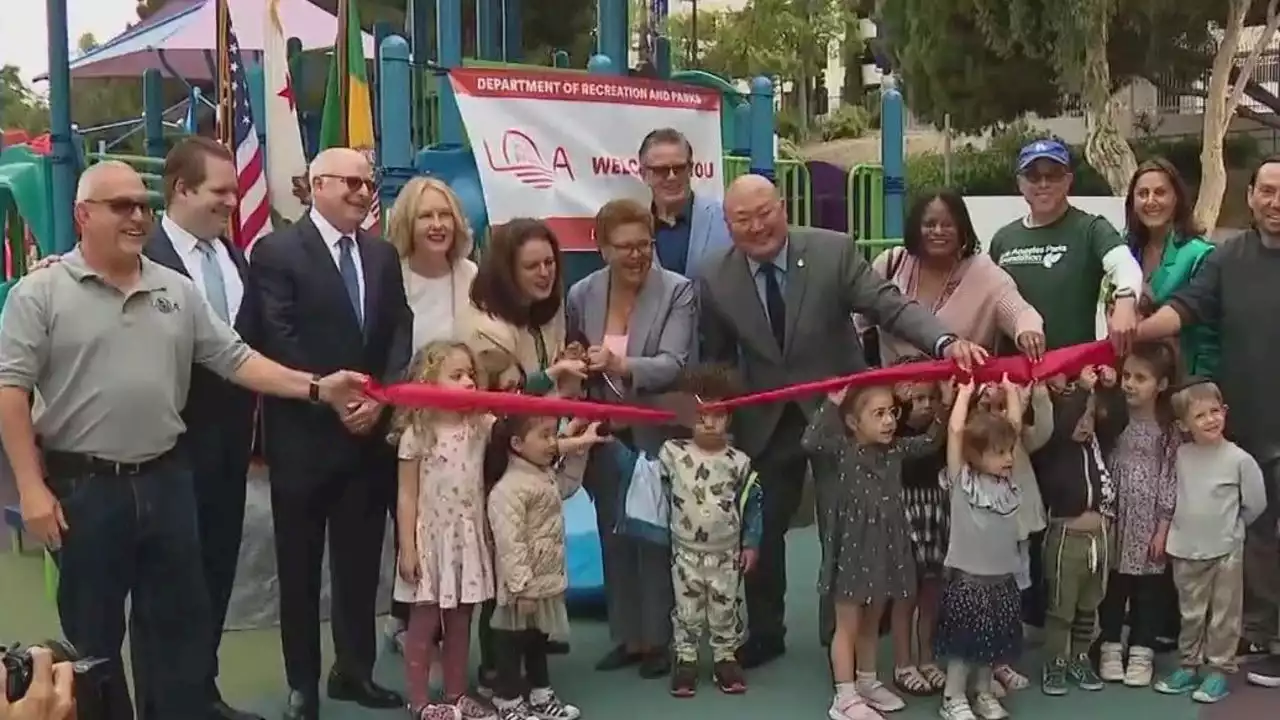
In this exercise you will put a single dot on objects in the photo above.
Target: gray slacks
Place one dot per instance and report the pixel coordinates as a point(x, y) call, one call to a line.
point(637, 573)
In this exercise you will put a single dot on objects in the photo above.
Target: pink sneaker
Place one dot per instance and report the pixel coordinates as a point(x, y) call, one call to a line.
point(851, 706)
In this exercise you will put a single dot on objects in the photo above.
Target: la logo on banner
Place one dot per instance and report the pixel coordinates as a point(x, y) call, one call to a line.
point(521, 157)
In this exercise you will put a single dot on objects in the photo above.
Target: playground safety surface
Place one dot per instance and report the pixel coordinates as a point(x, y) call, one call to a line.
point(794, 688)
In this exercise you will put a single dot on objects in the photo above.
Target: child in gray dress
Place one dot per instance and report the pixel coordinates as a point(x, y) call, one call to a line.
point(868, 558)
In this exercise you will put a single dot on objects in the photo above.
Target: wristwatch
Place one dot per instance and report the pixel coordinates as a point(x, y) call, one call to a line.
point(315, 388)
point(944, 342)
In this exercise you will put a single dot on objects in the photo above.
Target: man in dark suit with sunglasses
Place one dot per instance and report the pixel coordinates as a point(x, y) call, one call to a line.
point(331, 297)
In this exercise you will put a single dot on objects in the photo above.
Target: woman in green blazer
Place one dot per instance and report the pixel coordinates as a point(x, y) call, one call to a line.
point(1170, 247)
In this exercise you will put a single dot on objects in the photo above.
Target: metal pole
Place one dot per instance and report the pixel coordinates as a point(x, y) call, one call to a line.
point(153, 112)
point(946, 149)
point(341, 58)
point(693, 36)
point(64, 159)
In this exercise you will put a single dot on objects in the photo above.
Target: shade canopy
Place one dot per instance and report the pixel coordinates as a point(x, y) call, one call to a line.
point(181, 38)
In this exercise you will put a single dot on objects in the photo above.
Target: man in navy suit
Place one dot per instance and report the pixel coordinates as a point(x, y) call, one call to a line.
point(200, 195)
point(331, 296)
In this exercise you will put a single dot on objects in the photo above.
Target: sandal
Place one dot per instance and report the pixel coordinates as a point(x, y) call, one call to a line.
point(934, 676)
point(909, 680)
point(1011, 679)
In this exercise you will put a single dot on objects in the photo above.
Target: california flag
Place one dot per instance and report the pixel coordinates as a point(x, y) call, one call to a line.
point(286, 164)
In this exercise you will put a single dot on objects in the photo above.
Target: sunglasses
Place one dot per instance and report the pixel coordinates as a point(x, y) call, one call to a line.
point(668, 170)
point(124, 207)
point(1035, 176)
point(355, 182)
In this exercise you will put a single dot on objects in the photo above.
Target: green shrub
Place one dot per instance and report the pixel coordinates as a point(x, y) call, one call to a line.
point(991, 171)
point(847, 121)
point(788, 125)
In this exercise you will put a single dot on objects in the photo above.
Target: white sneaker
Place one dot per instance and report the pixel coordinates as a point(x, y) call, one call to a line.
point(987, 707)
point(956, 709)
point(1138, 674)
point(877, 695)
point(1111, 662)
point(851, 706)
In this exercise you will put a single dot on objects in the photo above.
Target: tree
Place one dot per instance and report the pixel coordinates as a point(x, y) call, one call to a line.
point(20, 107)
point(1221, 105)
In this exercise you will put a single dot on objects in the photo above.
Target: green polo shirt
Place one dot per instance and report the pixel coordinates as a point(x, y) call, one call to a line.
point(112, 367)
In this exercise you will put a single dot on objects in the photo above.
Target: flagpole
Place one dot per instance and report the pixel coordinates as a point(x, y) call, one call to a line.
point(223, 79)
point(342, 55)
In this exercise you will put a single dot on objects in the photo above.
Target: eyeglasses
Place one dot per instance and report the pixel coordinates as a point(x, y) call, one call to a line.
point(355, 182)
point(668, 170)
point(637, 249)
point(1036, 176)
point(124, 207)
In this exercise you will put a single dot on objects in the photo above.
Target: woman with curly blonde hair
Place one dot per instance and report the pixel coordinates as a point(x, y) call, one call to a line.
point(431, 235)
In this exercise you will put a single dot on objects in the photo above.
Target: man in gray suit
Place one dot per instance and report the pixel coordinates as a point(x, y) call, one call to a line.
point(779, 306)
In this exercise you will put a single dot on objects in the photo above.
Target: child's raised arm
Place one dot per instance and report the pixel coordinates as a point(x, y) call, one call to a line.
point(955, 430)
point(1015, 402)
point(825, 434)
point(1035, 435)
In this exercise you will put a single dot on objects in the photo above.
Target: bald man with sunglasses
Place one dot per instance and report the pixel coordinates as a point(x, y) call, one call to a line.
point(331, 296)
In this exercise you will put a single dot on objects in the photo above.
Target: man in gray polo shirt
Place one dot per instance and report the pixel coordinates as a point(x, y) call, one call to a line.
point(108, 338)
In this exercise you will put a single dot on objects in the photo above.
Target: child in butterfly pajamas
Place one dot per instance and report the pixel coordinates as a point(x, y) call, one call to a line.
point(715, 521)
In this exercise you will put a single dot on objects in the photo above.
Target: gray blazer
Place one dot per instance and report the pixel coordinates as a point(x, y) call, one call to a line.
point(827, 281)
point(662, 335)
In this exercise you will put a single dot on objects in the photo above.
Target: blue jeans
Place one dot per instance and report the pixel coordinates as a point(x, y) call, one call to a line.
point(135, 536)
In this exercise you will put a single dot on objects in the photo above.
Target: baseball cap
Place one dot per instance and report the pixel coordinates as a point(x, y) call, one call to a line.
point(1043, 150)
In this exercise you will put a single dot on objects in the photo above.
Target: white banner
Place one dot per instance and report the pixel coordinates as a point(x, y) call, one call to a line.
point(558, 145)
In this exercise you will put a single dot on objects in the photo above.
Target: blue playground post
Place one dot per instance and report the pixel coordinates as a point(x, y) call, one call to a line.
point(381, 31)
point(394, 101)
point(742, 129)
point(488, 29)
point(600, 64)
point(892, 157)
point(153, 112)
point(612, 34)
point(662, 57)
point(64, 156)
point(449, 42)
point(762, 127)
point(512, 31)
point(256, 78)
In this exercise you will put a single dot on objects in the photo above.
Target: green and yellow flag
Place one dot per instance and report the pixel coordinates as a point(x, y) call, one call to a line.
point(348, 106)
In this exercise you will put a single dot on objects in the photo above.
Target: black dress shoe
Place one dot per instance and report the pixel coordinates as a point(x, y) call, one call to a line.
point(618, 658)
point(223, 711)
point(556, 647)
point(760, 652)
point(655, 664)
point(363, 692)
point(301, 706)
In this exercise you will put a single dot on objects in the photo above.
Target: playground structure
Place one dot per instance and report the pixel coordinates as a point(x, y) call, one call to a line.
point(420, 129)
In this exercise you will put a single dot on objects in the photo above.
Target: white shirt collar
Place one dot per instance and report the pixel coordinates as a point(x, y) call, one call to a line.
point(330, 234)
point(183, 242)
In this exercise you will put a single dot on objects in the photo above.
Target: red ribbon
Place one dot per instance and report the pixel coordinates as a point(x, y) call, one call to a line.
point(1066, 361)
point(424, 395)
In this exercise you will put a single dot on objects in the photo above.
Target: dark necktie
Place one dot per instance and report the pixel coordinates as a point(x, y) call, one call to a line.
point(774, 305)
point(350, 276)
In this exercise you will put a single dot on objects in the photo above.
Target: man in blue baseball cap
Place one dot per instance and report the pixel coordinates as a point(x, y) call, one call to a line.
point(1060, 257)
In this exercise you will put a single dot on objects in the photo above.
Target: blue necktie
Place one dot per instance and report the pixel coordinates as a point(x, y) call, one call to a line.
point(774, 305)
point(215, 285)
point(350, 276)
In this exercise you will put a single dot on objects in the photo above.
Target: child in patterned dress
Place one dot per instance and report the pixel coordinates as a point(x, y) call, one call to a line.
point(1142, 465)
point(445, 561)
point(979, 624)
point(716, 520)
point(867, 556)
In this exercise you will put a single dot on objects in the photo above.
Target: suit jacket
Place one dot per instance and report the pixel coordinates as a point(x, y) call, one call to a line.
point(308, 324)
point(827, 281)
point(708, 234)
point(212, 400)
point(662, 336)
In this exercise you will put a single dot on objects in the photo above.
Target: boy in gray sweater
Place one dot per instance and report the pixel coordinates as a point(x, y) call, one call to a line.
point(1220, 491)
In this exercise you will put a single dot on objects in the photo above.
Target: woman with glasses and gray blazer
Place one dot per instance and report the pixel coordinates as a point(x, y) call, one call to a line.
point(640, 322)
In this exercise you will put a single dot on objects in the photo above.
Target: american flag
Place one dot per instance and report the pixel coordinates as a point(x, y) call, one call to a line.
point(252, 218)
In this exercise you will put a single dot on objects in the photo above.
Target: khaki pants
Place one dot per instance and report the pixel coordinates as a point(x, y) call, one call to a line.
point(1210, 599)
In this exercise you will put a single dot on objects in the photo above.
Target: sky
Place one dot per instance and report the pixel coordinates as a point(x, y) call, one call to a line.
point(24, 37)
